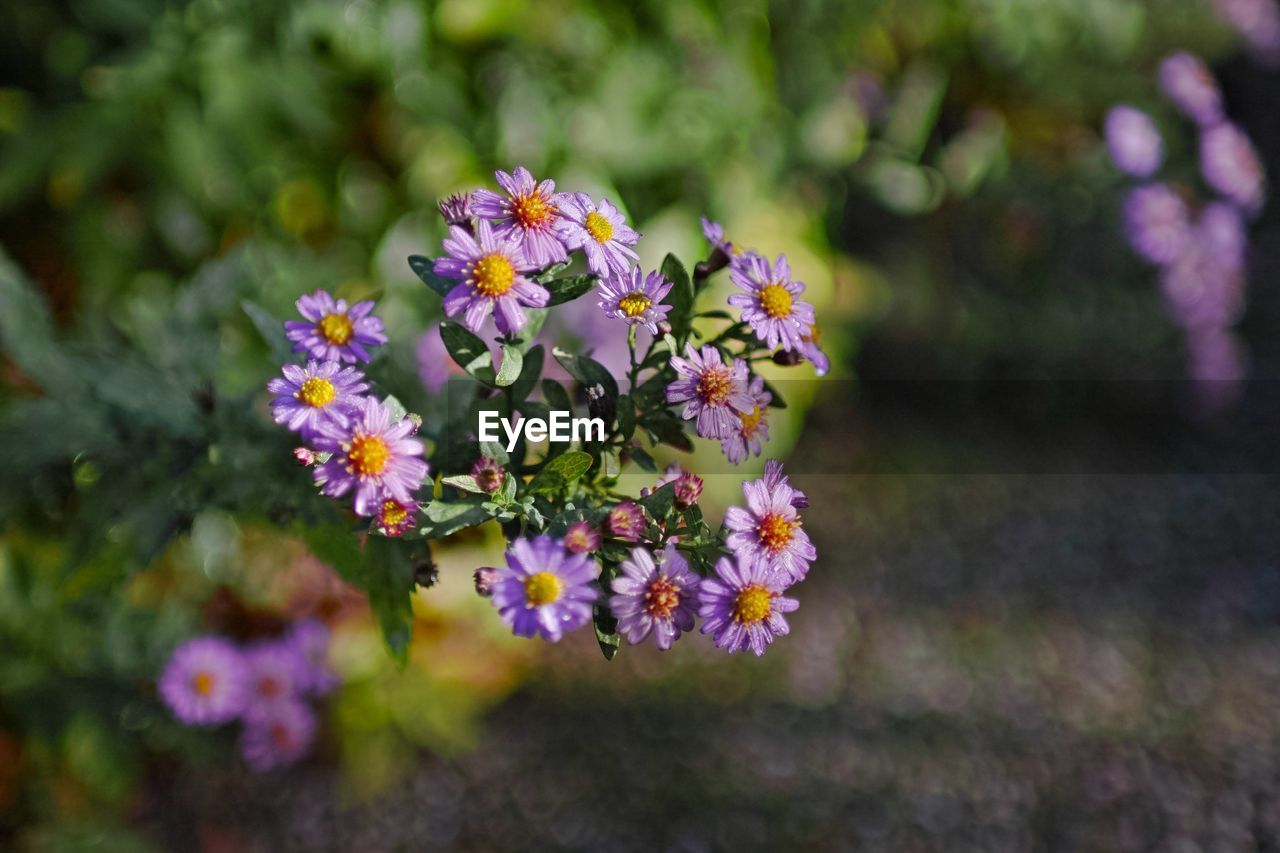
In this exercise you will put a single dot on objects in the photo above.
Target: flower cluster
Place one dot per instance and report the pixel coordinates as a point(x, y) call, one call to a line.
point(1198, 246)
point(211, 681)
point(358, 444)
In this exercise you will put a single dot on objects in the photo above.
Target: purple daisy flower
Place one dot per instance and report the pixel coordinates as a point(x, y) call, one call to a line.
point(321, 391)
point(1231, 167)
point(771, 304)
point(626, 522)
point(712, 391)
point(635, 298)
point(768, 530)
point(334, 331)
point(310, 639)
point(396, 518)
point(656, 598)
point(600, 231)
point(373, 456)
point(753, 426)
point(279, 737)
point(1188, 84)
point(743, 605)
point(688, 488)
point(489, 269)
point(205, 682)
point(582, 537)
point(1133, 141)
point(1157, 222)
point(545, 589)
point(276, 674)
point(528, 214)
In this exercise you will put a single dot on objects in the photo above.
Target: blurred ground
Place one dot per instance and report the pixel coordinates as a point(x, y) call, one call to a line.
point(1035, 662)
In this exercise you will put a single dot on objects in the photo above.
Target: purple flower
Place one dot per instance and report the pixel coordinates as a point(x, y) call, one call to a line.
point(334, 331)
point(1231, 167)
point(635, 298)
point(528, 214)
point(1133, 141)
point(321, 391)
point(600, 232)
point(1188, 84)
point(456, 209)
point(773, 478)
point(654, 597)
point(582, 537)
point(373, 456)
point(279, 737)
point(1258, 23)
point(771, 303)
point(743, 605)
point(435, 367)
point(810, 346)
point(310, 639)
point(488, 475)
point(712, 391)
point(276, 673)
point(1204, 286)
point(688, 486)
point(1214, 356)
point(205, 682)
point(626, 522)
point(545, 589)
point(489, 269)
point(714, 232)
point(768, 530)
point(1222, 228)
point(752, 428)
point(1157, 222)
point(396, 518)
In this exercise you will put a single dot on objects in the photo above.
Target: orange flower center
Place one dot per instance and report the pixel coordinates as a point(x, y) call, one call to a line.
point(634, 304)
point(751, 421)
point(336, 328)
point(776, 532)
point(493, 275)
point(715, 385)
point(203, 683)
point(533, 210)
point(541, 588)
point(316, 392)
point(368, 455)
point(599, 227)
point(662, 598)
point(752, 604)
point(775, 300)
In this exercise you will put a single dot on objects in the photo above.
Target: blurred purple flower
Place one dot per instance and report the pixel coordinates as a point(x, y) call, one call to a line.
point(654, 597)
point(582, 537)
point(396, 518)
point(373, 456)
point(712, 391)
point(1216, 364)
point(1187, 82)
point(333, 331)
point(277, 673)
point(545, 589)
point(1258, 23)
point(1133, 141)
point(600, 231)
point(206, 682)
point(279, 737)
point(1156, 222)
point(323, 391)
point(1203, 288)
point(743, 605)
point(310, 639)
point(635, 298)
point(1231, 167)
point(527, 214)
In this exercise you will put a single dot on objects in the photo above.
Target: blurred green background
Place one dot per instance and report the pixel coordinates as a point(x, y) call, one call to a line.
point(982, 660)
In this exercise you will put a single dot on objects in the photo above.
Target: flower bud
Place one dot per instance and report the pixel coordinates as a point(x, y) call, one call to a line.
point(787, 358)
point(304, 456)
point(485, 578)
point(456, 209)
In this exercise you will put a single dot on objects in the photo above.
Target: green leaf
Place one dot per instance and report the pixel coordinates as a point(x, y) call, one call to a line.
point(468, 351)
point(495, 451)
point(556, 396)
point(529, 373)
point(444, 519)
point(776, 401)
point(642, 458)
point(397, 409)
point(551, 272)
point(611, 463)
point(271, 330)
point(423, 268)
point(660, 501)
point(570, 288)
point(587, 371)
point(561, 472)
point(681, 296)
point(388, 578)
point(606, 631)
point(626, 417)
point(665, 428)
point(509, 486)
point(463, 481)
point(512, 364)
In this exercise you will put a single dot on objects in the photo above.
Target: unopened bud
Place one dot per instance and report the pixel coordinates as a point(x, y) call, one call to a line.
point(664, 328)
point(456, 209)
point(486, 577)
point(304, 456)
point(425, 573)
point(787, 358)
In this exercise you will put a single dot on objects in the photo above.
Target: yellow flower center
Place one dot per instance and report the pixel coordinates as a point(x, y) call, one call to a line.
point(368, 455)
point(541, 588)
point(599, 227)
point(336, 328)
point(662, 598)
point(532, 210)
point(776, 300)
point(752, 604)
point(634, 304)
point(316, 392)
point(203, 683)
point(751, 421)
point(393, 513)
point(714, 386)
point(493, 275)
point(776, 532)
